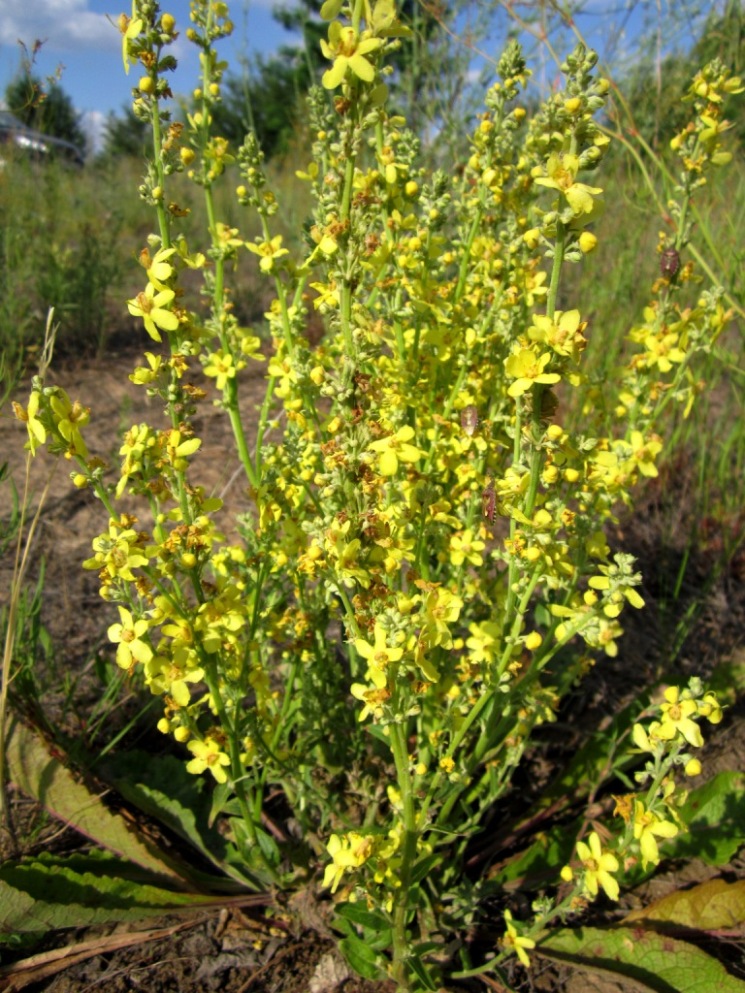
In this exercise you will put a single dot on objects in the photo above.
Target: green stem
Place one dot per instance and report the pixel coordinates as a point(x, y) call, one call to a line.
point(408, 856)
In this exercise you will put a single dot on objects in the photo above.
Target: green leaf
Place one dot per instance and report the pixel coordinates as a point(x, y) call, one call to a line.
point(711, 906)
point(370, 920)
point(421, 972)
point(715, 816)
point(162, 788)
point(542, 861)
point(43, 776)
point(363, 959)
point(422, 867)
point(654, 961)
point(51, 892)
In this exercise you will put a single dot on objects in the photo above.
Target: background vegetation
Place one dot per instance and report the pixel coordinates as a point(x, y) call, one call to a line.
point(82, 264)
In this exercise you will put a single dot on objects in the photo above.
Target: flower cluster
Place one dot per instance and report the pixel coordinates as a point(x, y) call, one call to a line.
point(421, 572)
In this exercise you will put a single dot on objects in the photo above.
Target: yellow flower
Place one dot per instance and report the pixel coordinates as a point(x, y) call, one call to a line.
point(70, 418)
point(396, 448)
point(117, 553)
point(172, 675)
point(441, 609)
point(177, 447)
point(128, 637)
point(37, 433)
point(526, 368)
point(130, 27)
point(373, 700)
point(151, 307)
point(268, 252)
point(142, 374)
point(378, 655)
point(647, 828)
point(561, 170)
point(599, 866)
point(563, 334)
point(348, 51)
point(645, 453)
point(676, 718)
point(464, 548)
point(711, 708)
point(160, 270)
point(663, 351)
point(347, 852)
point(512, 941)
point(207, 755)
point(484, 642)
point(221, 368)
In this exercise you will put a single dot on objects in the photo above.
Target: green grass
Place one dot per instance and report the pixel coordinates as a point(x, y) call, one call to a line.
point(70, 238)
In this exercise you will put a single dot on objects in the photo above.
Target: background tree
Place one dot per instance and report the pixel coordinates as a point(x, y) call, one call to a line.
point(654, 87)
point(267, 97)
point(46, 108)
point(428, 83)
point(126, 135)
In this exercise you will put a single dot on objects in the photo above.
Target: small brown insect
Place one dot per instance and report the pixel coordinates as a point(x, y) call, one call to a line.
point(669, 262)
point(489, 502)
point(469, 419)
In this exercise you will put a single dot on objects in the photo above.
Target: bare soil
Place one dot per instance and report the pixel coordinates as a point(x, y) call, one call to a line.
point(287, 949)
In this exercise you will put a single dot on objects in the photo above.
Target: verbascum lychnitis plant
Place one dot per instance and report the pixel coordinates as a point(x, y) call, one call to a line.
point(421, 572)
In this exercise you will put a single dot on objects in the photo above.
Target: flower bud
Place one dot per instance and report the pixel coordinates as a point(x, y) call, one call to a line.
point(533, 641)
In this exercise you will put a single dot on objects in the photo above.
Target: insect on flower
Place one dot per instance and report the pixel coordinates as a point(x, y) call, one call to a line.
point(489, 501)
point(669, 262)
point(469, 420)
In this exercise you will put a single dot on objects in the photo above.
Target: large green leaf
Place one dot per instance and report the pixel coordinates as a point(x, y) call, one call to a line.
point(654, 961)
point(711, 906)
point(715, 816)
point(36, 771)
point(51, 892)
point(161, 787)
point(362, 958)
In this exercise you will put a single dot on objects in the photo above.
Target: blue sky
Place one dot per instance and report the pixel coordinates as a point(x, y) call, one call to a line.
point(81, 37)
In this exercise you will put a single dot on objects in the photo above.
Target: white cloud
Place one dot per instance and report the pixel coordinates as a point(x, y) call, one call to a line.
point(93, 123)
point(63, 25)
